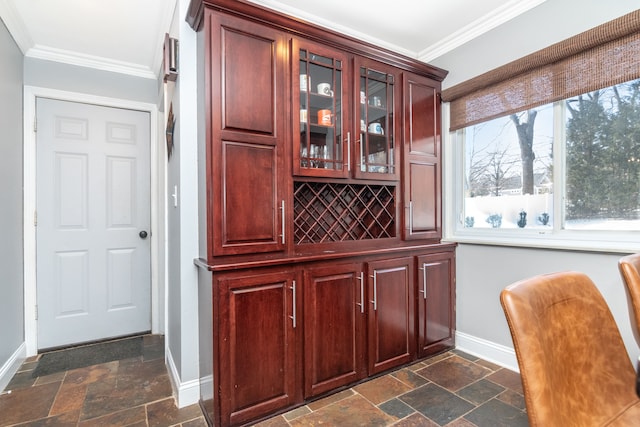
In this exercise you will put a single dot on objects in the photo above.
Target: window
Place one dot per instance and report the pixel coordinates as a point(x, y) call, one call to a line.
point(508, 181)
point(547, 147)
point(572, 165)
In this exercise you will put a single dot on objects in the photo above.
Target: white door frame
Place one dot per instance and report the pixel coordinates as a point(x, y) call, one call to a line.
point(29, 202)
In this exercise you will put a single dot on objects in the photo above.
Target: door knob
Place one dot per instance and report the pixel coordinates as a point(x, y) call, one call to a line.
point(143, 234)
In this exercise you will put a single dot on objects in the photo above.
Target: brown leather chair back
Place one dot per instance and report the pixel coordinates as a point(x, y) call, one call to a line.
point(573, 363)
point(630, 271)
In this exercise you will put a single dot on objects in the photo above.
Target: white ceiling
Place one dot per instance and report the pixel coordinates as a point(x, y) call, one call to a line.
point(127, 35)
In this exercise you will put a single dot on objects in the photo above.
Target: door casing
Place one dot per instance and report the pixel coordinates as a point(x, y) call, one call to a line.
point(158, 205)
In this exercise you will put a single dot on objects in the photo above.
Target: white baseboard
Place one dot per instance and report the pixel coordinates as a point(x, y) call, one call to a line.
point(487, 350)
point(186, 393)
point(12, 365)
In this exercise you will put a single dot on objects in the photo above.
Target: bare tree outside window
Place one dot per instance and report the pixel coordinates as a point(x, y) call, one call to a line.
point(508, 170)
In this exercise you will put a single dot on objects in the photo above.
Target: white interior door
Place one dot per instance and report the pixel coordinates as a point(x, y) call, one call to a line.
point(93, 221)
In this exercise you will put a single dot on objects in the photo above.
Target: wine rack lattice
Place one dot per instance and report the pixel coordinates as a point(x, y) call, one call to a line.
point(330, 212)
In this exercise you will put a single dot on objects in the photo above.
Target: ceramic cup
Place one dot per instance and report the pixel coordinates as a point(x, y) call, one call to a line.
point(324, 117)
point(303, 115)
point(376, 128)
point(325, 89)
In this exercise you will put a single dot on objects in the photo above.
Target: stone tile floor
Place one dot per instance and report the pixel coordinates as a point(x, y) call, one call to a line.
point(452, 389)
point(129, 392)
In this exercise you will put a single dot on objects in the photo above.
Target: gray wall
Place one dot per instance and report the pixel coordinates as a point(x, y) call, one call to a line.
point(482, 270)
point(56, 75)
point(11, 249)
point(544, 25)
point(182, 220)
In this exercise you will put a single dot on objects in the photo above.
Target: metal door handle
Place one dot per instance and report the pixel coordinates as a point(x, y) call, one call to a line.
point(143, 234)
point(375, 291)
point(361, 303)
point(293, 305)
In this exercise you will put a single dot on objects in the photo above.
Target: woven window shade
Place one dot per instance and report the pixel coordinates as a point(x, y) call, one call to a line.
point(603, 56)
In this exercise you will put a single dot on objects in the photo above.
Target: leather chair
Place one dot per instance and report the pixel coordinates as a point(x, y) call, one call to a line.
point(574, 366)
point(630, 271)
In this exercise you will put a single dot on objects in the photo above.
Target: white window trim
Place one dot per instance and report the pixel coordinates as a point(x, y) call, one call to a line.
point(452, 168)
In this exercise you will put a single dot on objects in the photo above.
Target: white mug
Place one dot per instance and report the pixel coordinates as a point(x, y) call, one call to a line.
point(376, 128)
point(325, 89)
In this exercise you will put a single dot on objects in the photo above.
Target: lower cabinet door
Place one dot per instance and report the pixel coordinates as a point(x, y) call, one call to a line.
point(391, 318)
point(436, 318)
point(257, 345)
point(334, 326)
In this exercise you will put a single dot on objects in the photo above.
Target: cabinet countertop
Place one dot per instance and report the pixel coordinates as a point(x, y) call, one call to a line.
point(229, 263)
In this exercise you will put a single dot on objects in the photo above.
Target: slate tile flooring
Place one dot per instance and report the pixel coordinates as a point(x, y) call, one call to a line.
point(451, 389)
point(128, 392)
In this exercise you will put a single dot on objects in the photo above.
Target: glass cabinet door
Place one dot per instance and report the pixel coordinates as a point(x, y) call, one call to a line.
point(377, 121)
point(321, 137)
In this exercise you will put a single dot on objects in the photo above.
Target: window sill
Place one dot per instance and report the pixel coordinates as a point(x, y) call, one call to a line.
point(604, 243)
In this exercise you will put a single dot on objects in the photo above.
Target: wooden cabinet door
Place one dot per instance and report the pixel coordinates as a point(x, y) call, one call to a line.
point(334, 313)
point(245, 71)
point(422, 168)
point(391, 318)
point(377, 125)
point(320, 108)
point(436, 303)
point(257, 345)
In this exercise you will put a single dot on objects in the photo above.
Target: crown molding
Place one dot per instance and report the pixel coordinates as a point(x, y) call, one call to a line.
point(477, 28)
point(90, 61)
point(18, 30)
point(15, 25)
point(305, 16)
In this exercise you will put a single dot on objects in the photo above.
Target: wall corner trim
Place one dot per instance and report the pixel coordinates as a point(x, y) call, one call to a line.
point(186, 393)
point(11, 366)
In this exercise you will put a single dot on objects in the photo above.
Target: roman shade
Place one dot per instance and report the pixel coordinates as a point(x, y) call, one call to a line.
point(603, 56)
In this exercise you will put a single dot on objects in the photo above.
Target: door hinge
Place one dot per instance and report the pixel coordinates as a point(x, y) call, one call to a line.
point(35, 124)
point(35, 218)
point(36, 310)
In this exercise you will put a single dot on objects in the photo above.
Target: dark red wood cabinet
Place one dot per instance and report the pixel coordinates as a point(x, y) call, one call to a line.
point(322, 252)
point(245, 129)
point(391, 293)
point(334, 326)
point(422, 169)
point(435, 303)
point(258, 335)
